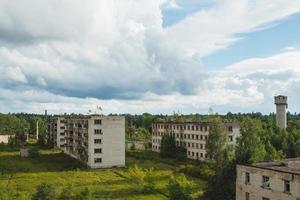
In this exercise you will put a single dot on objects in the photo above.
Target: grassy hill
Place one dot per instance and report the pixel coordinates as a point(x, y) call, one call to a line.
point(21, 176)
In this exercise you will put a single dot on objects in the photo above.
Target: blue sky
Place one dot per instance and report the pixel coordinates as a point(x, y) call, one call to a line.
point(159, 56)
point(262, 43)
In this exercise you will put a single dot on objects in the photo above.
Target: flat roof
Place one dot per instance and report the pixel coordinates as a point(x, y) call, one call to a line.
point(291, 165)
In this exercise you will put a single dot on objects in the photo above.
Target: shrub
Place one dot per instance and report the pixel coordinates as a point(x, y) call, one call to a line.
point(144, 180)
point(44, 192)
point(67, 194)
point(180, 188)
point(137, 176)
point(33, 153)
point(202, 171)
point(149, 180)
point(84, 195)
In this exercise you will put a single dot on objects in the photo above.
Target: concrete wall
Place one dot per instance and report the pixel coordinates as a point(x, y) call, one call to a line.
point(113, 142)
point(281, 118)
point(257, 192)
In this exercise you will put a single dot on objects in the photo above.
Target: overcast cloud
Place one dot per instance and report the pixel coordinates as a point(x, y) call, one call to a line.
point(69, 56)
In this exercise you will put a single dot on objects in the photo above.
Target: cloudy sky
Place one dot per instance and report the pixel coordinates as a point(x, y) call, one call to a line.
point(158, 56)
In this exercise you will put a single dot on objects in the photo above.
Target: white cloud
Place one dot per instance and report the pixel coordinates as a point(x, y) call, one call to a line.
point(172, 4)
point(74, 53)
point(13, 74)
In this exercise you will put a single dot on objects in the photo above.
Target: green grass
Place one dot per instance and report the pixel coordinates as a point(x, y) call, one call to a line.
point(22, 175)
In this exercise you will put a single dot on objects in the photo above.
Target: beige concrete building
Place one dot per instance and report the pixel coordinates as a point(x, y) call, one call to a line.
point(98, 141)
point(269, 181)
point(190, 135)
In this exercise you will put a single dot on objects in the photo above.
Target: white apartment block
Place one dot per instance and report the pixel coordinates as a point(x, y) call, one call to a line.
point(269, 181)
point(190, 135)
point(96, 140)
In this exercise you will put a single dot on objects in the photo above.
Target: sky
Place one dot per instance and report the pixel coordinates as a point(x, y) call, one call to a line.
point(158, 56)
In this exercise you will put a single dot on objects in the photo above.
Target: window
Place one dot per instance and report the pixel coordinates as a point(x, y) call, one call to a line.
point(97, 121)
point(247, 178)
point(97, 141)
point(98, 160)
point(230, 138)
point(265, 198)
point(230, 129)
point(266, 182)
point(247, 196)
point(97, 150)
point(98, 132)
point(287, 186)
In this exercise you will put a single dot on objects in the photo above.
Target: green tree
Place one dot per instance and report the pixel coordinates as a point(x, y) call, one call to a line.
point(44, 192)
point(180, 188)
point(271, 153)
point(143, 180)
point(168, 146)
point(217, 141)
point(222, 184)
point(249, 147)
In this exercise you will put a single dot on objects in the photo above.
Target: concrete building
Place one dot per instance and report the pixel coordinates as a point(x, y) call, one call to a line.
point(269, 181)
point(5, 138)
point(281, 106)
point(190, 135)
point(98, 141)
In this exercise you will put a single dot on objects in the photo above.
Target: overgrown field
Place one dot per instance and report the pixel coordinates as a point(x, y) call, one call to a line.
point(21, 176)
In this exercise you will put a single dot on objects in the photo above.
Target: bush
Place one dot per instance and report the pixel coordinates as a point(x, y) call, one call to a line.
point(144, 180)
point(180, 188)
point(44, 192)
point(84, 195)
point(149, 180)
point(33, 153)
point(202, 171)
point(67, 194)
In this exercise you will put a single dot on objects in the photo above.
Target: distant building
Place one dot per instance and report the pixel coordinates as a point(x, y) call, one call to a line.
point(190, 135)
point(98, 141)
point(281, 106)
point(4, 139)
point(269, 181)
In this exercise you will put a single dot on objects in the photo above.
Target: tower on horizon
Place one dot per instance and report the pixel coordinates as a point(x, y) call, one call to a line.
point(281, 106)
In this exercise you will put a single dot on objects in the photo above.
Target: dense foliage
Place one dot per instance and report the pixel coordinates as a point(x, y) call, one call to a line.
point(180, 188)
point(168, 148)
point(22, 125)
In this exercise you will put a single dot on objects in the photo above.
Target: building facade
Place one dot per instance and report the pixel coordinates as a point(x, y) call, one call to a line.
point(190, 135)
point(269, 181)
point(98, 141)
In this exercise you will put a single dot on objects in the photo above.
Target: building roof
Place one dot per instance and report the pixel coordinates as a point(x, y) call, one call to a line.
point(288, 165)
point(190, 121)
